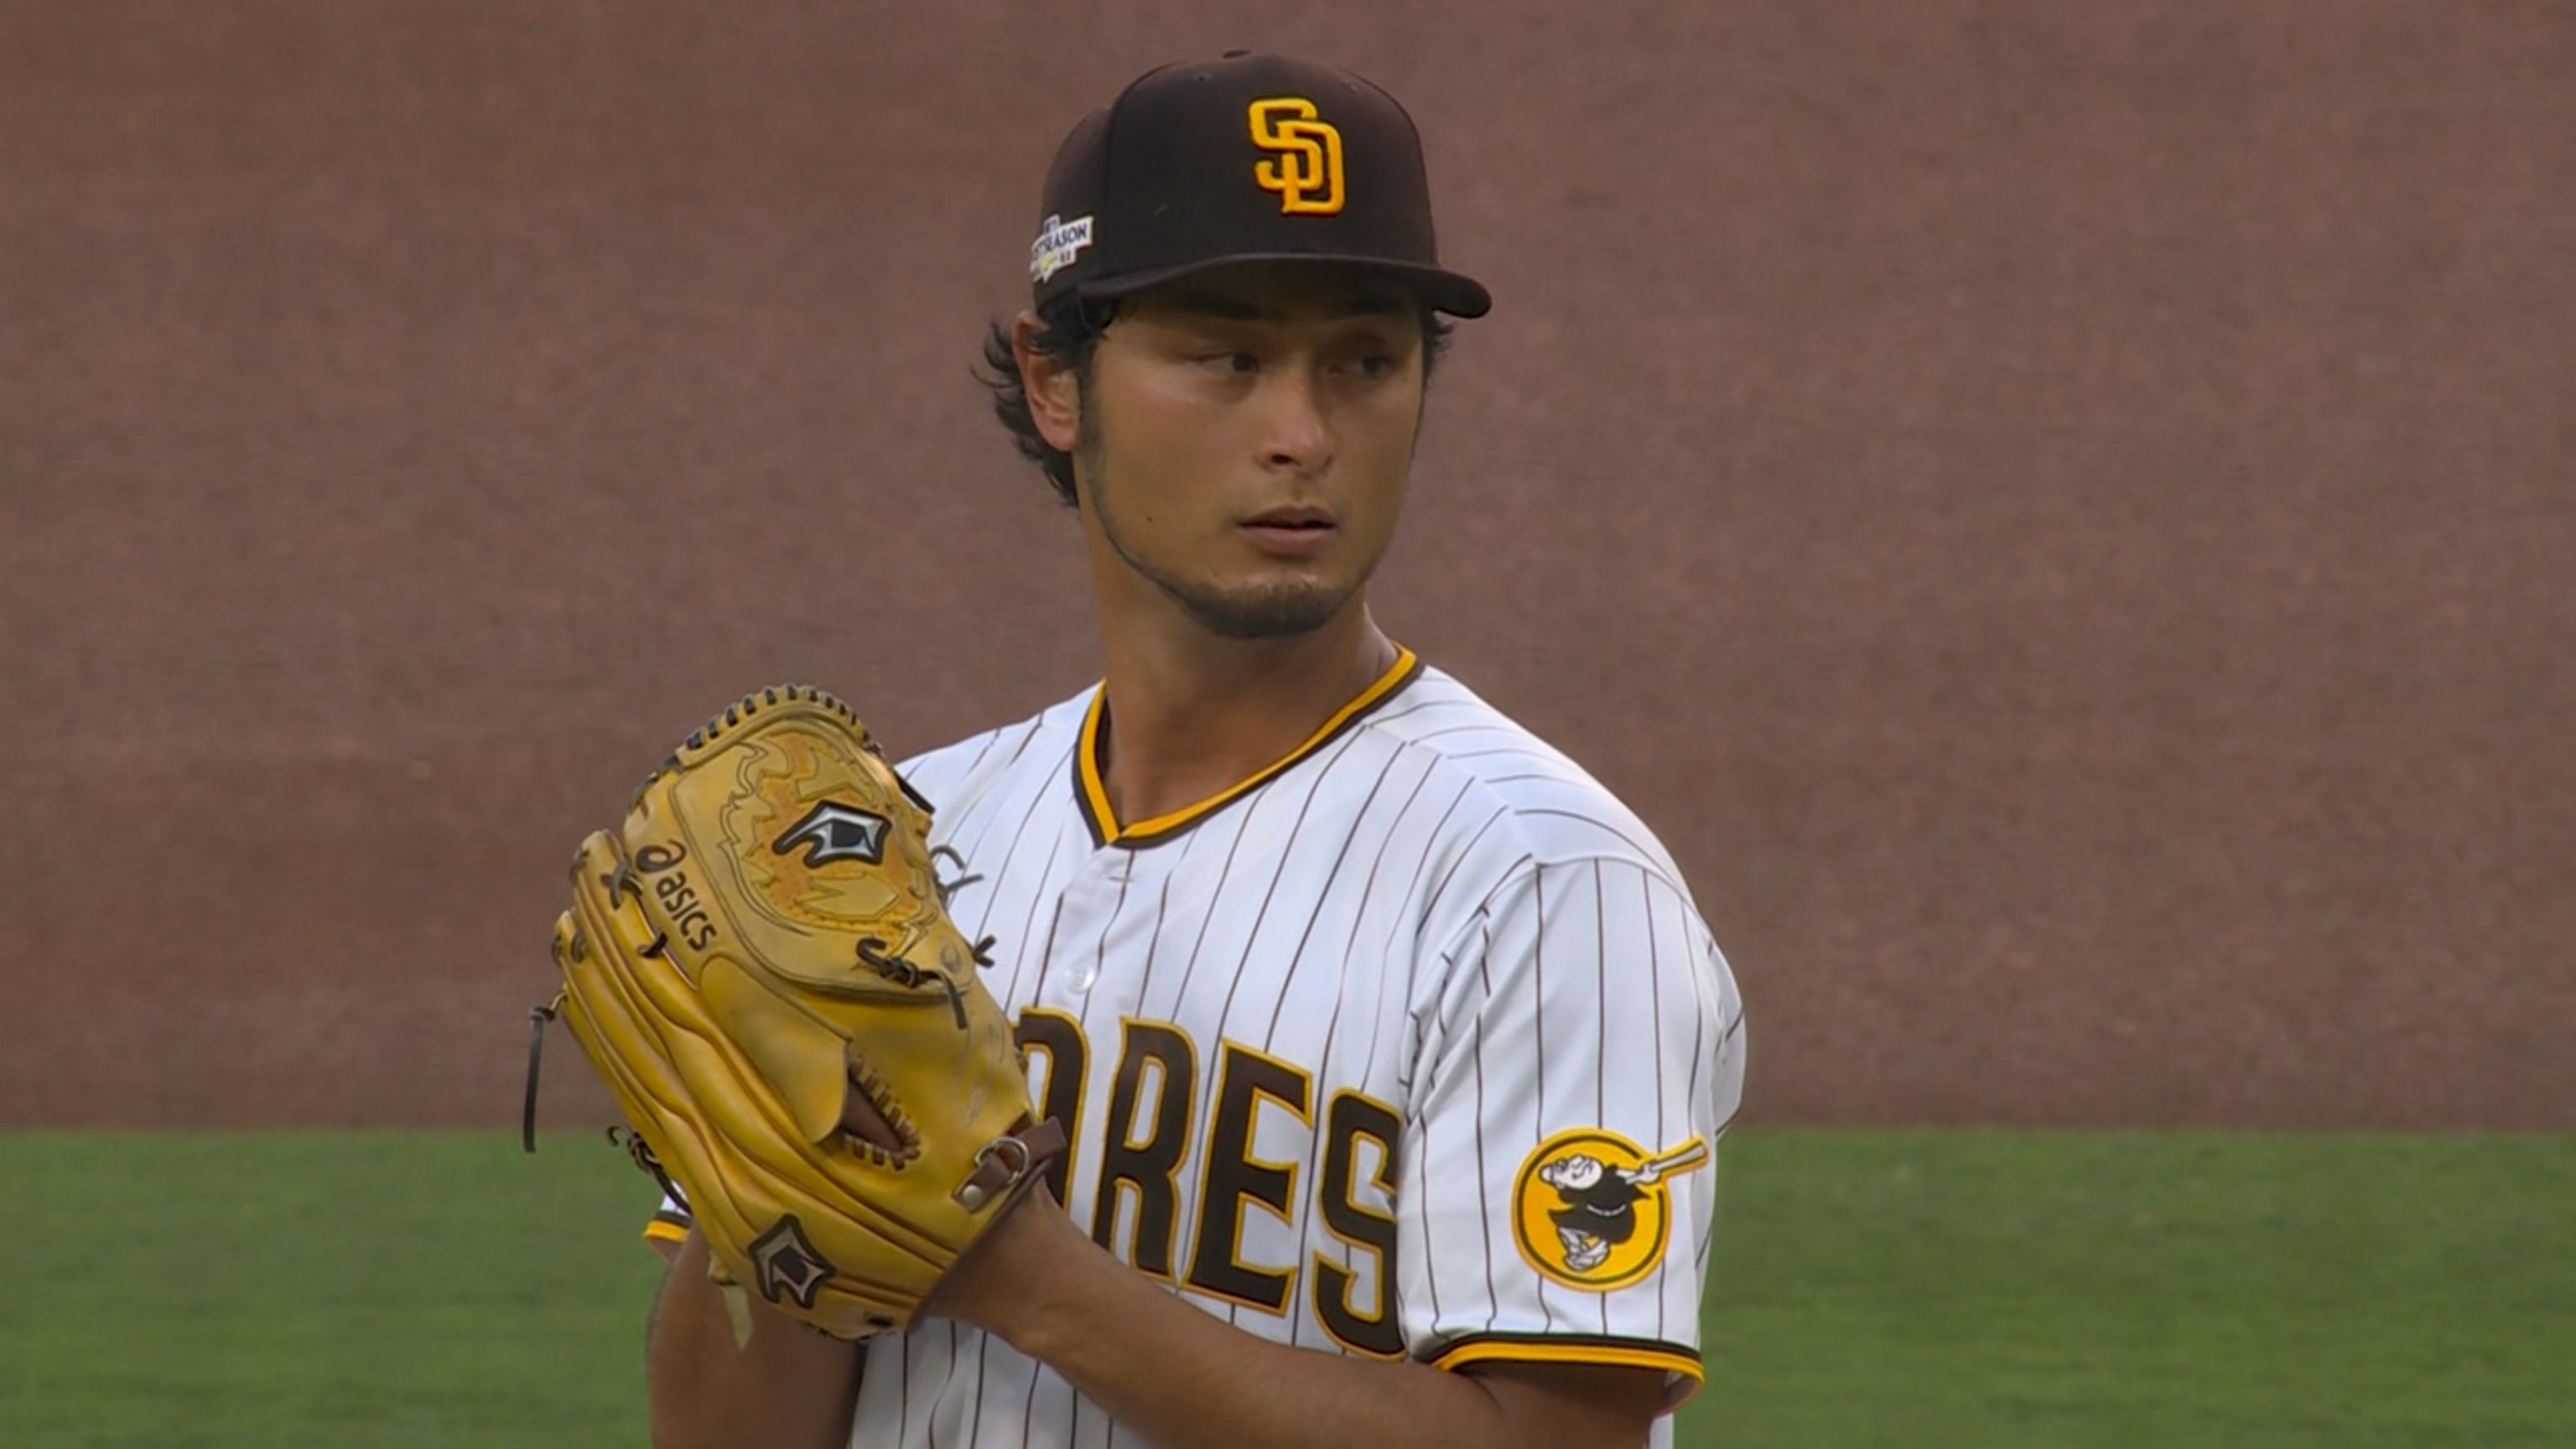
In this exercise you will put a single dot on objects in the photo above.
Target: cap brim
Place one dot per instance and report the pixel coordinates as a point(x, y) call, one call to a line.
point(1442, 291)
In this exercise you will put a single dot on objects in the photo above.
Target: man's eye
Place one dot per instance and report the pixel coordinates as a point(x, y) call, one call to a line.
point(1237, 362)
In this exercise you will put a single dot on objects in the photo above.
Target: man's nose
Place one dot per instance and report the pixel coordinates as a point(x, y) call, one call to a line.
point(1295, 433)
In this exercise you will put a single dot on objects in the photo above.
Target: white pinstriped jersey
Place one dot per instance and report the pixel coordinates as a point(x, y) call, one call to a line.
point(1413, 1045)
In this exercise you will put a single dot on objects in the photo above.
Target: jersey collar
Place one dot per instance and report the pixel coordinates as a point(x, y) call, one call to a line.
point(1094, 794)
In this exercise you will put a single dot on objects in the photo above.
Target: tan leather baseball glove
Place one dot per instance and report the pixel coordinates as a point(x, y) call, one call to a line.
point(760, 966)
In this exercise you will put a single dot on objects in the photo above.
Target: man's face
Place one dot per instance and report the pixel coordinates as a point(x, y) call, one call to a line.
point(1245, 440)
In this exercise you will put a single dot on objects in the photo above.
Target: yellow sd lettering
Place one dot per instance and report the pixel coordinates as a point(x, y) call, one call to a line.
point(1307, 172)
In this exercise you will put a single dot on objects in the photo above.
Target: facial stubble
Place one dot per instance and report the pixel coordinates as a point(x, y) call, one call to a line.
point(1273, 610)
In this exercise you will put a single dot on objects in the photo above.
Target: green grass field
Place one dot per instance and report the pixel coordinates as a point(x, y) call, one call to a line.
point(1933, 1289)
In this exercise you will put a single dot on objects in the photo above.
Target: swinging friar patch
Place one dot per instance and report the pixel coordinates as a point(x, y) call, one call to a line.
point(1591, 1209)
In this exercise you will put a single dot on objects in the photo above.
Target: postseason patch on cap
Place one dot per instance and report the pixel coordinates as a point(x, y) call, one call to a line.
point(1059, 242)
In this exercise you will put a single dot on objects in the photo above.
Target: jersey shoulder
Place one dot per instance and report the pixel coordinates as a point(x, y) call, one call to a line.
point(1519, 795)
point(954, 775)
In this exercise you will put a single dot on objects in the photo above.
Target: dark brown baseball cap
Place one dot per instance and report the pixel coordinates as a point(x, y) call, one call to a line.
point(1249, 158)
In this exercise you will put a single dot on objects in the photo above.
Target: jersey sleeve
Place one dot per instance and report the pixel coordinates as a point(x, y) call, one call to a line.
point(1584, 1053)
point(670, 1223)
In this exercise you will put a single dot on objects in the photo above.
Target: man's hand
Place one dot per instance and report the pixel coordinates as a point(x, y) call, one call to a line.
point(760, 965)
point(1179, 1377)
point(785, 1385)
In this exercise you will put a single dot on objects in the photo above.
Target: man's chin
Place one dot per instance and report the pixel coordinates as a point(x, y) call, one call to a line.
point(1267, 614)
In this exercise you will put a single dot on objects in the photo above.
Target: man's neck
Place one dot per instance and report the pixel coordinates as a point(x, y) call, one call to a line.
point(1190, 715)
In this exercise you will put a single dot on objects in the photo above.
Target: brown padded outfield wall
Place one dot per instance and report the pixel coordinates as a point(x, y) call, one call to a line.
point(2062, 515)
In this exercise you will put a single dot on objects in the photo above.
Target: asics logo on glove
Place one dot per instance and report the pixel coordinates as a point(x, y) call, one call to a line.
point(833, 831)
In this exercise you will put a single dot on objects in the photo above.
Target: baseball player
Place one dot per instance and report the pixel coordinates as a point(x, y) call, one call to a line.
point(1390, 1048)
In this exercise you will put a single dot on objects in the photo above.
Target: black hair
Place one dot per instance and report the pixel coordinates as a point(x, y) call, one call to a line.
point(1069, 330)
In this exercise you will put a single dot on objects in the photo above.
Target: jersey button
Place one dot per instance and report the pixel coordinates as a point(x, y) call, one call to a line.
point(1079, 976)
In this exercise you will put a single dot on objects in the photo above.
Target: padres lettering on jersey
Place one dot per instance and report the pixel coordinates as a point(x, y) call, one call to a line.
point(1411, 1046)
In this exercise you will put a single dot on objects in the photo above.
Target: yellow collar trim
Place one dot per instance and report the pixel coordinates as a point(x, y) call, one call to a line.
point(1095, 793)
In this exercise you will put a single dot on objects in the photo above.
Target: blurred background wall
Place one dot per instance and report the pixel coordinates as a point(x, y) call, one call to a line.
point(2061, 514)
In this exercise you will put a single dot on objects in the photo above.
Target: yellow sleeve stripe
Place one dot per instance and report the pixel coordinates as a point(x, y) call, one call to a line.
point(1680, 1366)
point(1536, 1350)
point(663, 1230)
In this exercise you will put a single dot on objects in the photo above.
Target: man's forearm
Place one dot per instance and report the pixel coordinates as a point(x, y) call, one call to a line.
point(1181, 1379)
point(786, 1385)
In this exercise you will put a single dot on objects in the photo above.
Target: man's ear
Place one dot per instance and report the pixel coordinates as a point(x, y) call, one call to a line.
point(1054, 393)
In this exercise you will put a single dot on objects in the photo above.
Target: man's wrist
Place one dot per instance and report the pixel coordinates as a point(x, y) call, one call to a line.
point(1012, 1268)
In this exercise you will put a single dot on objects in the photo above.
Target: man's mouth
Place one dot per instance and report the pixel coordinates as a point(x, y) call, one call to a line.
point(1290, 532)
point(1289, 522)
point(1297, 518)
